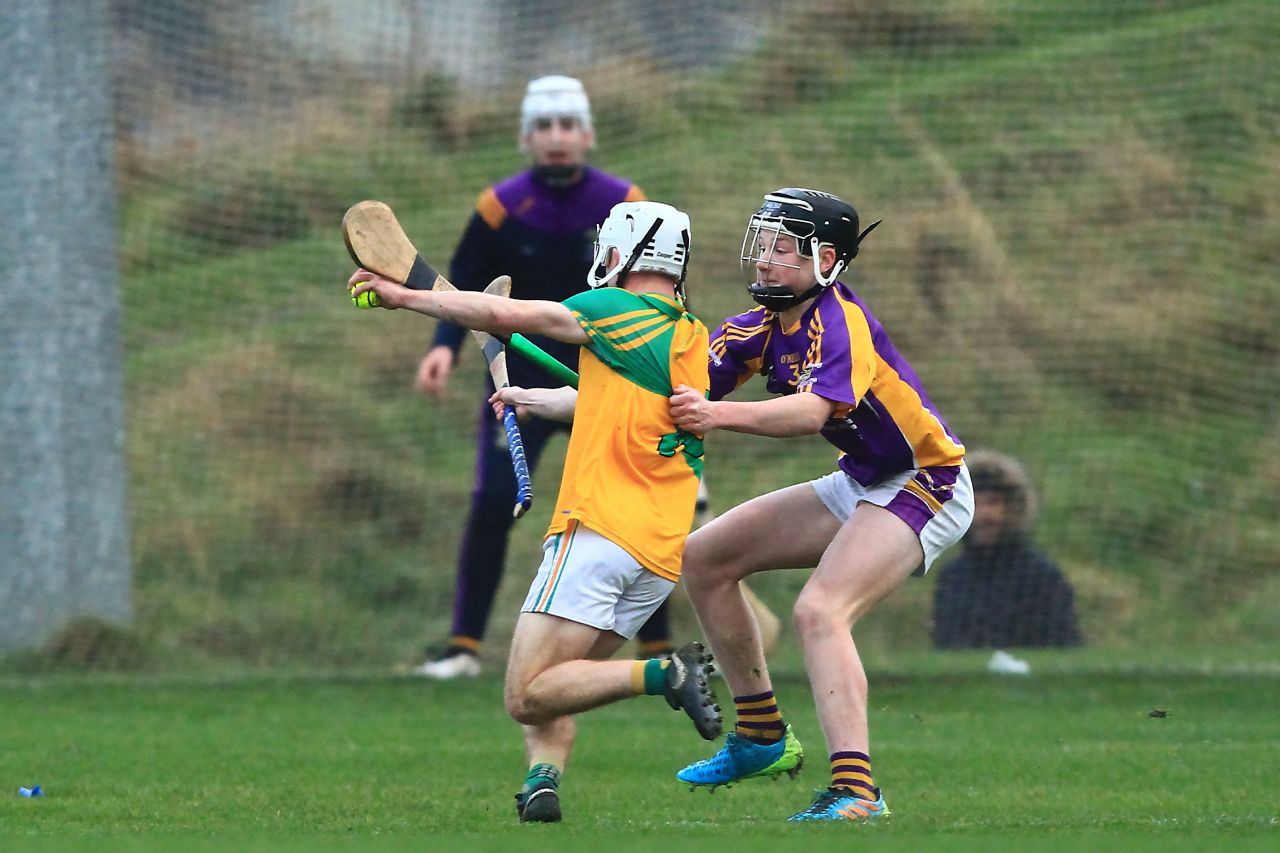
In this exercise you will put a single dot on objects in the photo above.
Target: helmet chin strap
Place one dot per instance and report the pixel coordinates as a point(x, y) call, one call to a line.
point(779, 299)
point(558, 175)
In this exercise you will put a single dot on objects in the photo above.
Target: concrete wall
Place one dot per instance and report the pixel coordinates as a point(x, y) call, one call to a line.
point(63, 518)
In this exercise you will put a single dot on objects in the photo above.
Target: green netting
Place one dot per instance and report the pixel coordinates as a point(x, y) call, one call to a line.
point(1079, 250)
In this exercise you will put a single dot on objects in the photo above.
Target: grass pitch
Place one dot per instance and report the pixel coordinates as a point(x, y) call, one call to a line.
point(967, 761)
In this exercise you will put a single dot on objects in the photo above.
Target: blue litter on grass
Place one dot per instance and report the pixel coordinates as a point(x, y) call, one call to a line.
point(30, 792)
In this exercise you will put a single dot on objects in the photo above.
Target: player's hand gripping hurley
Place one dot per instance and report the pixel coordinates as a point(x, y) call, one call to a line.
point(376, 242)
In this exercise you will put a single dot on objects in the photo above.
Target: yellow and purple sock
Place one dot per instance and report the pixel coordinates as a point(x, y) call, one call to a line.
point(852, 770)
point(759, 719)
point(466, 644)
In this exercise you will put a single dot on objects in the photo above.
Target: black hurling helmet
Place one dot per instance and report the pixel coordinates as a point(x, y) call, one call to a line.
point(815, 219)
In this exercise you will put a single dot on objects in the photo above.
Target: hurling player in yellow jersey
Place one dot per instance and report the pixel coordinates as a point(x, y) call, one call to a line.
point(614, 547)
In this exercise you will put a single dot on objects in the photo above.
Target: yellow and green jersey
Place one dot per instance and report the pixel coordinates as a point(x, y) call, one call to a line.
point(630, 474)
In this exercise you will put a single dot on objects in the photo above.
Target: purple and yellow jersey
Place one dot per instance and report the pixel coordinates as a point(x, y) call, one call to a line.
point(884, 422)
point(544, 238)
point(629, 474)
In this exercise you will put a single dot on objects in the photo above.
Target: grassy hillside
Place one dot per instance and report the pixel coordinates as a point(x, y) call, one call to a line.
point(1078, 256)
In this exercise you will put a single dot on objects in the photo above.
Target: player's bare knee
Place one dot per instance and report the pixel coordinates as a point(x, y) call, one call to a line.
point(706, 559)
point(706, 574)
point(814, 615)
point(515, 698)
point(698, 581)
point(523, 715)
point(523, 708)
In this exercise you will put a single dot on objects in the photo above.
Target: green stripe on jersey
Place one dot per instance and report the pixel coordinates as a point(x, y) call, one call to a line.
point(613, 336)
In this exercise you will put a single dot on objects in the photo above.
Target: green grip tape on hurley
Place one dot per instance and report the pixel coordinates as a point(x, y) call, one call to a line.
point(528, 349)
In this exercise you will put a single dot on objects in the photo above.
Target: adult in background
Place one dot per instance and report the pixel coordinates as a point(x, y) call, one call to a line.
point(899, 496)
point(1002, 592)
point(538, 227)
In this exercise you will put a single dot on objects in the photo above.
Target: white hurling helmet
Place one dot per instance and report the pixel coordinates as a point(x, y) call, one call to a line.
point(552, 97)
point(649, 237)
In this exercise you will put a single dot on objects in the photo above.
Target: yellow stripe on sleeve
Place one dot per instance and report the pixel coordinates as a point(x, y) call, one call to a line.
point(625, 317)
point(615, 331)
point(643, 339)
point(490, 209)
point(864, 360)
point(921, 428)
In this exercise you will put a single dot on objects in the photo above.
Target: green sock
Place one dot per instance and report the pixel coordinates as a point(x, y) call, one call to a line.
point(655, 676)
point(542, 773)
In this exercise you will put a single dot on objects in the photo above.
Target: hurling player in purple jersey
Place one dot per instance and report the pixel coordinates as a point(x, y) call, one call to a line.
point(900, 493)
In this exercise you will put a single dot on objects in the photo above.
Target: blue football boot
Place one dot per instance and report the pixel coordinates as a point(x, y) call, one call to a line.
point(842, 804)
point(740, 759)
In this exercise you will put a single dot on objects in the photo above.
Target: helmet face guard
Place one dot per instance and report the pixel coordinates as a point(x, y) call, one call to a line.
point(553, 97)
point(761, 238)
point(758, 245)
point(556, 100)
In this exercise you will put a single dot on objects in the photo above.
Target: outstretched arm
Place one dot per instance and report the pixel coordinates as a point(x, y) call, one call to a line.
point(781, 417)
point(483, 311)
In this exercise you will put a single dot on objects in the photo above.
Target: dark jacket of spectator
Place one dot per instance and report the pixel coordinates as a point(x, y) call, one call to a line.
point(1004, 595)
point(1002, 592)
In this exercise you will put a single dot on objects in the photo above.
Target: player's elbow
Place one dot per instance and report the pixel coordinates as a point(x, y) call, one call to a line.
point(529, 316)
point(506, 318)
point(814, 424)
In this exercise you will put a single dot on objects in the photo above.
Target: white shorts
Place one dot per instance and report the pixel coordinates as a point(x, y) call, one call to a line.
point(586, 578)
point(937, 510)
